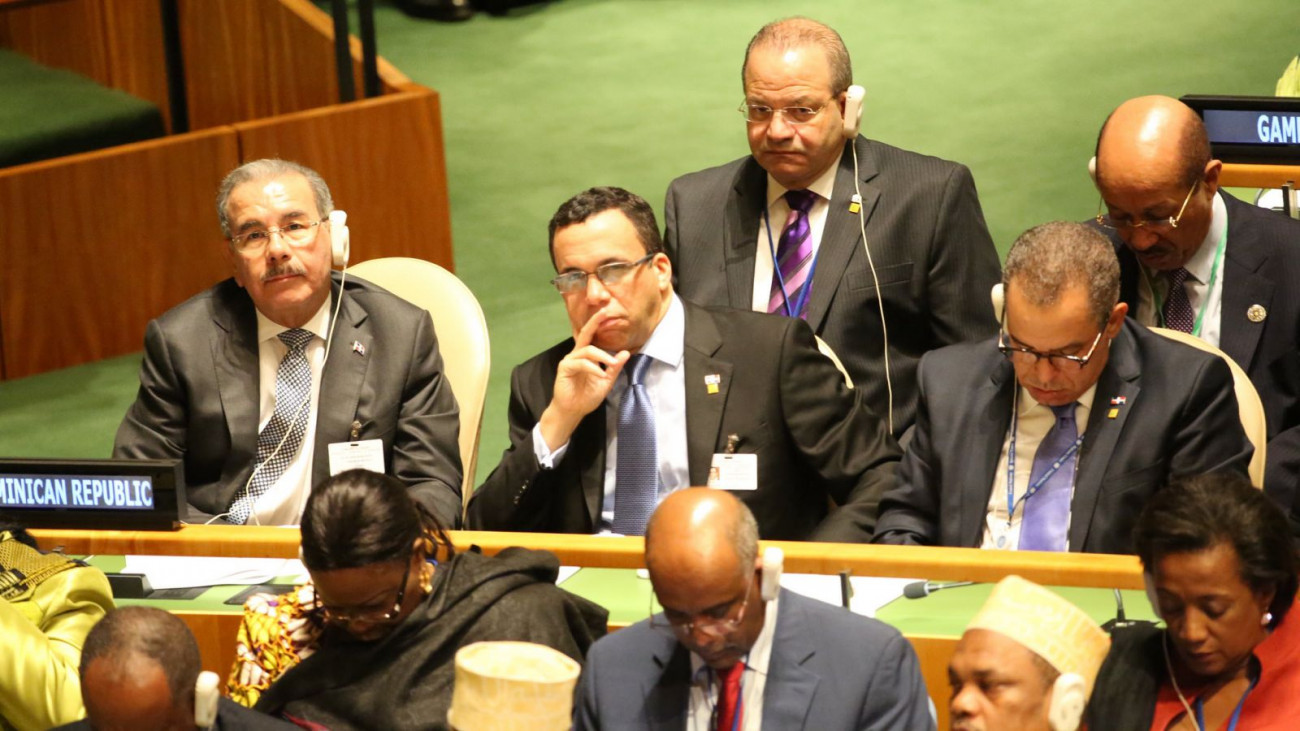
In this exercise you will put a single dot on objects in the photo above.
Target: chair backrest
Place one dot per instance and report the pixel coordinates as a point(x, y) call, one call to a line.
point(462, 339)
point(1248, 403)
point(826, 351)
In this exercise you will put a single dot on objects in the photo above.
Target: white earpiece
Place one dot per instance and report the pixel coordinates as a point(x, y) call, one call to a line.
point(340, 238)
point(1069, 697)
point(206, 696)
point(773, 565)
point(999, 297)
point(1092, 169)
point(853, 111)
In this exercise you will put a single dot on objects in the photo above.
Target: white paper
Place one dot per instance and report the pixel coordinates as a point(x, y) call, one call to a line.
point(178, 572)
point(566, 572)
point(363, 455)
point(869, 593)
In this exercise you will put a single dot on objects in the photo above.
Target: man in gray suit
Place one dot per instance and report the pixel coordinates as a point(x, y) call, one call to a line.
point(237, 382)
point(857, 225)
point(1084, 412)
point(731, 650)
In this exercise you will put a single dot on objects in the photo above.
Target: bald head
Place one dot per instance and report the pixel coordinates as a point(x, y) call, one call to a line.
point(701, 527)
point(1152, 140)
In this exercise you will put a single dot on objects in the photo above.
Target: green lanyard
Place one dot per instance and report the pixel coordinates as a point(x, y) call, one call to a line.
point(1205, 304)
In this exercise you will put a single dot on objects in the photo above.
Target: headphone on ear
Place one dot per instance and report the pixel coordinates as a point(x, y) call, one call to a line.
point(773, 565)
point(1092, 169)
point(853, 111)
point(1069, 697)
point(206, 697)
point(340, 238)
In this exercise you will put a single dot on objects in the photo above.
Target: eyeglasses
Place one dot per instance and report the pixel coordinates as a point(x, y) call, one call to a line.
point(762, 114)
point(608, 274)
point(1151, 224)
point(715, 623)
point(1029, 356)
point(297, 233)
point(369, 616)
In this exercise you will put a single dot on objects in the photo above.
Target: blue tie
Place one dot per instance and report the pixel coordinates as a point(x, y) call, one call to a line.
point(636, 474)
point(1046, 519)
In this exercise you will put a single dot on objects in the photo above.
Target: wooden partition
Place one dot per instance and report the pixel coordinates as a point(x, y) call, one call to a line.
point(1243, 175)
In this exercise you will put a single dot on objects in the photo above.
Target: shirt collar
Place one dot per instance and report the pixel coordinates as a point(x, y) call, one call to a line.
point(1027, 402)
point(318, 325)
point(760, 654)
point(823, 186)
point(668, 341)
point(1202, 262)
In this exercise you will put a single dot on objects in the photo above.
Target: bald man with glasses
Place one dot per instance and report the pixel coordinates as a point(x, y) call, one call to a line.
point(1051, 436)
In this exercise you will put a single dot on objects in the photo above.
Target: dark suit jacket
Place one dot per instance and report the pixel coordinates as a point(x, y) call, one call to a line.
point(931, 249)
point(1180, 418)
point(784, 399)
point(829, 669)
point(1261, 266)
point(230, 717)
point(198, 398)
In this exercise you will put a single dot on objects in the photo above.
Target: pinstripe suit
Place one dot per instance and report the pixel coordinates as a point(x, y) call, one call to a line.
point(932, 252)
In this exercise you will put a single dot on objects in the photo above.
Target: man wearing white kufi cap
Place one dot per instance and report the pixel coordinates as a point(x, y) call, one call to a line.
point(1026, 661)
point(512, 686)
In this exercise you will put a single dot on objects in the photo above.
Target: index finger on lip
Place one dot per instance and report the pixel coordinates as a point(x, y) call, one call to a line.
point(584, 336)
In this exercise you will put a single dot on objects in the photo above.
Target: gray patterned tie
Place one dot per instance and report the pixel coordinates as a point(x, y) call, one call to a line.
point(292, 391)
point(1178, 308)
point(636, 473)
point(1046, 520)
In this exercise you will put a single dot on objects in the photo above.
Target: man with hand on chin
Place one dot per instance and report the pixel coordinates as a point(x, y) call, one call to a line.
point(237, 383)
point(1053, 435)
point(652, 392)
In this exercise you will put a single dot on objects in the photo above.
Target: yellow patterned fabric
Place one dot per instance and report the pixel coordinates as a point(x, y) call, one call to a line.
point(44, 620)
point(277, 632)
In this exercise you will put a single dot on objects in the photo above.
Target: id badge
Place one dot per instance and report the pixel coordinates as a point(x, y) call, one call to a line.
point(367, 454)
point(734, 472)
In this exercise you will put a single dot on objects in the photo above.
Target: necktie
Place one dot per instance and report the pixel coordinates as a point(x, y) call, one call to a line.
point(794, 256)
point(729, 708)
point(1178, 309)
point(292, 390)
point(1046, 519)
point(636, 474)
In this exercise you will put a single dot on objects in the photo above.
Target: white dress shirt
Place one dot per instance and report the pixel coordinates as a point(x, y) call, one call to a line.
point(665, 383)
point(1199, 292)
point(1033, 422)
point(777, 211)
point(283, 502)
point(705, 684)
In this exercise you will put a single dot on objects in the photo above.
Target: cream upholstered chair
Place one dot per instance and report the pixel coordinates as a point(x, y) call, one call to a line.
point(1248, 403)
point(462, 339)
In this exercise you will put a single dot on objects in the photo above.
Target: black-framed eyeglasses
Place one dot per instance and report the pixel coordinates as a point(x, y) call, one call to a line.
point(1029, 356)
point(297, 233)
point(714, 626)
point(369, 616)
point(762, 114)
point(608, 274)
point(1151, 224)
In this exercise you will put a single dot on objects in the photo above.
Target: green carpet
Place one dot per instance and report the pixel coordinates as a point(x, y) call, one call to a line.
point(560, 97)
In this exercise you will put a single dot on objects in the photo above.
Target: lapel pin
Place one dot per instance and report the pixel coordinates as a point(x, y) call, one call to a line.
point(1112, 413)
point(855, 204)
point(1256, 313)
point(358, 348)
point(711, 382)
point(1119, 401)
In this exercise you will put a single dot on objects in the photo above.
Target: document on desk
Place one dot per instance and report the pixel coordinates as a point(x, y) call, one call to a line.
point(179, 572)
point(869, 593)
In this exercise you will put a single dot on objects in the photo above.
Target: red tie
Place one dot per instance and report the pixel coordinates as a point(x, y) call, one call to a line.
point(729, 711)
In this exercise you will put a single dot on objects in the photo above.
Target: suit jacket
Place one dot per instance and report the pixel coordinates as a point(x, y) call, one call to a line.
point(1179, 418)
point(198, 398)
point(786, 401)
point(932, 252)
point(1261, 266)
point(230, 717)
point(829, 669)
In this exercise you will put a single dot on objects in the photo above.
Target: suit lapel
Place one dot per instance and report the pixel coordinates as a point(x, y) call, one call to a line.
point(703, 409)
point(840, 238)
point(748, 198)
point(1243, 287)
point(1120, 380)
point(668, 696)
point(588, 444)
point(341, 381)
point(790, 686)
point(235, 359)
point(992, 405)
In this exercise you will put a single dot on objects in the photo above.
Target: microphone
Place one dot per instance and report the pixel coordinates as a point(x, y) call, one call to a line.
point(1121, 621)
point(926, 588)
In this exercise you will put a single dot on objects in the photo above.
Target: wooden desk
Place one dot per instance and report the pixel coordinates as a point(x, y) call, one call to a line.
point(1244, 175)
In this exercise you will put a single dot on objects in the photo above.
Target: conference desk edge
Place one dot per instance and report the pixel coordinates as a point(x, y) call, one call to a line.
point(941, 564)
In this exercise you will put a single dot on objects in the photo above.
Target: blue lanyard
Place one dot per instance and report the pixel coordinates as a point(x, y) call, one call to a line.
point(1158, 306)
point(1011, 462)
point(776, 269)
point(1236, 714)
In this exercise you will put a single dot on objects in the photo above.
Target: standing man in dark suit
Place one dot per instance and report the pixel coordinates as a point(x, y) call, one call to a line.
point(736, 400)
point(1193, 258)
point(1084, 412)
point(237, 383)
point(733, 651)
point(856, 225)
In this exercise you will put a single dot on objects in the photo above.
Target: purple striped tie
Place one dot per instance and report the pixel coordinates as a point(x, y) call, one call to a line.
point(794, 255)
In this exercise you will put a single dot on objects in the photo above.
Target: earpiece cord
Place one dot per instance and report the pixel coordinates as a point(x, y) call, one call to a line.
point(1191, 716)
point(880, 299)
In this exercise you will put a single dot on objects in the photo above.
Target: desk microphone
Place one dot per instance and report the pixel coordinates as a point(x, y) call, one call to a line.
point(1121, 621)
point(926, 588)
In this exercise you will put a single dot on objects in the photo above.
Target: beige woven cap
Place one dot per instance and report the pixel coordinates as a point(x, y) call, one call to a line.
point(512, 686)
point(1053, 628)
